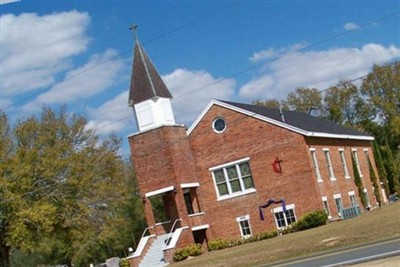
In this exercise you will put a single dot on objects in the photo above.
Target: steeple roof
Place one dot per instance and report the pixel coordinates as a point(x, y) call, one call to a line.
point(146, 83)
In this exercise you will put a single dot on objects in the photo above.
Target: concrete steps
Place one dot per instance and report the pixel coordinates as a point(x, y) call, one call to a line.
point(155, 256)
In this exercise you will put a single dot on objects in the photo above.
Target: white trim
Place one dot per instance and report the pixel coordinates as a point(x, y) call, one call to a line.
point(237, 194)
point(160, 191)
point(200, 227)
point(365, 190)
point(279, 209)
point(324, 198)
point(242, 218)
point(213, 124)
point(229, 164)
point(142, 243)
point(314, 161)
point(274, 122)
point(366, 149)
point(354, 149)
point(343, 161)
point(335, 196)
point(351, 193)
point(161, 223)
point(190, 185)
point(325, 149)
point(312, 149)
point(175, 237)
point(196, 214)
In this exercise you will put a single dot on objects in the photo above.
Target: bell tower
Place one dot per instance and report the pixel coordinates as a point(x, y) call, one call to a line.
point(161, 154)
point(148, 94)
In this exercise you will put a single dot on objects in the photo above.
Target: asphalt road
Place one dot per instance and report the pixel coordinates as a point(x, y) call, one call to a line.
point(347, 256)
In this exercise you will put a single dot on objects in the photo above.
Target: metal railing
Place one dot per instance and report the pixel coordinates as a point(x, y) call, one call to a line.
point(171, 232)
point(351, 212)
point(145, 230)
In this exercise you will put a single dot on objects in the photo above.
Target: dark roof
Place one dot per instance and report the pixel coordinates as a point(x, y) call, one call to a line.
point(146, 83)
point(299, 120)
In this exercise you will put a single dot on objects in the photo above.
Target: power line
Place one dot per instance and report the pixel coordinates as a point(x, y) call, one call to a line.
point(322, 90)
point(277, 58)
point(209, 14)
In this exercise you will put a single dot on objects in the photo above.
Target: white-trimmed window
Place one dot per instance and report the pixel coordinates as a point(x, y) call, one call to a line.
point(355, 156)
point(366, 153)
point(367, 197)
point(315, 164)
point(353, 201)
point(284, 219)
point(326, 206)
point(329, 164)
point(244, 226)
point(233, 179)
point(339, 203)
point(344, 164)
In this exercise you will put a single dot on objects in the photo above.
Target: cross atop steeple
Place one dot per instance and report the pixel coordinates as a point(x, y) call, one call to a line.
point(134, 28)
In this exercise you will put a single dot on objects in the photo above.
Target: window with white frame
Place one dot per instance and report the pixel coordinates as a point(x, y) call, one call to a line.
point(367, 197)
point(329, 164)
point(233, 179)
point(284, 219)
point(339, 203)
point(315, 164)
point(353, 200)
point(244, 226)
point(366, 153)
point(344, 164)
point(326, 206)
point(355, 156)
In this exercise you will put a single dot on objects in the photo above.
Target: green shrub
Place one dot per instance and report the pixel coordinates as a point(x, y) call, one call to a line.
point(311, 220)
point(123, 263)
point(218, 244)
point(191, 250)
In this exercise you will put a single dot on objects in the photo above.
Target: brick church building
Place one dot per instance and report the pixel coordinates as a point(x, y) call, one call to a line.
point(208, 181)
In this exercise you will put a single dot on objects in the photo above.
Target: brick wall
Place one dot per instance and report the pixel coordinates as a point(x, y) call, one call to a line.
point(261, 142)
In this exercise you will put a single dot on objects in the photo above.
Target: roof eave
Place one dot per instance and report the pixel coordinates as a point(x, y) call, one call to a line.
point(274, 122)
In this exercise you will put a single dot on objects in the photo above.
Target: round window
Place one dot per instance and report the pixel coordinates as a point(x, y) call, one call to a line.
point(219, 125)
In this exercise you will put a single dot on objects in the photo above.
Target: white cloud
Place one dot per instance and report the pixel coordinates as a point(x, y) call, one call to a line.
point(96, 78)
point(113, 116)
point(3, 2)
point(35, 48)
point(83, 82)
point(192, 90)
point(319, 69)
point(350, 26)
point(272, 52)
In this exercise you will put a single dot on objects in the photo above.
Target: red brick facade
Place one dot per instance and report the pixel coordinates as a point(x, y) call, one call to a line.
point(167, 156)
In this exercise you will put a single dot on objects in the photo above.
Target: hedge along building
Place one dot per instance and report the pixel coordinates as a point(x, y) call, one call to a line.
point(238, 170)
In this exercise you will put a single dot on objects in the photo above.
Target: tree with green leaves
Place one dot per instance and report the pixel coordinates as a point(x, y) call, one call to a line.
point(271, 103)
point(380, 166)
point(382, 89)
point(358, 182)
point(344, 105)
point(304, 99)
point(64, 191)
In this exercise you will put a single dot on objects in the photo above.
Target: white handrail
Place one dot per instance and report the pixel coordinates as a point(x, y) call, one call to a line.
point(171, 231)
point(150, 227)
point(142, 244)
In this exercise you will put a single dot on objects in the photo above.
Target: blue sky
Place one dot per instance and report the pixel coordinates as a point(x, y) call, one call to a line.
point(79, 53)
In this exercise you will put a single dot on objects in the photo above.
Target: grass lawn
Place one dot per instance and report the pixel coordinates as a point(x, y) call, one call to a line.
point(375, 225)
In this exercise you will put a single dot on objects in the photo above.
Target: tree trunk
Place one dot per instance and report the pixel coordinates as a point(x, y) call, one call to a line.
point(4, 251)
